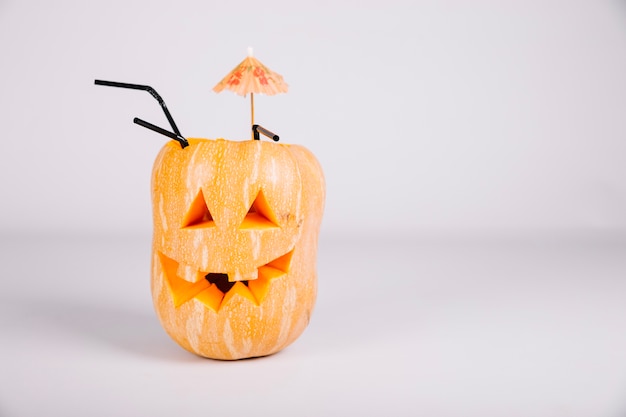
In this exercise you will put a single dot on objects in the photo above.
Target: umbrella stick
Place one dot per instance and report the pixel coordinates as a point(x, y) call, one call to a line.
point(252, 110)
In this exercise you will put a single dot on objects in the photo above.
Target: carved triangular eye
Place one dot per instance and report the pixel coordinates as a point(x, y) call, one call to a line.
point(198, 214)
point(260, 215)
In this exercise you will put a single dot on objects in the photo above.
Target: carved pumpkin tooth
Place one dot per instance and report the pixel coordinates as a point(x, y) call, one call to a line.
point(239, 289)
point(211, 297)
point(267, 272)
point(282, 262)
point(259, 288)
point(243, 275)
point(182, 290)
point(185, 291)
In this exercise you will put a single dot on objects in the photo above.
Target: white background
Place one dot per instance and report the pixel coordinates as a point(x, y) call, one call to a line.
point(473, 253)
point(426, 116)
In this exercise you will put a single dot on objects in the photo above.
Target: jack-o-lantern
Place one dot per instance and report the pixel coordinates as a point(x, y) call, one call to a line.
point(236, 226)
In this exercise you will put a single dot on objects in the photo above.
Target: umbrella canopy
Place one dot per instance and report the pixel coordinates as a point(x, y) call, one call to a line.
point(251, 76)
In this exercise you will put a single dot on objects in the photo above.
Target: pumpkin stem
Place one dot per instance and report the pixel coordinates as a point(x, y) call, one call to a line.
point(256, 129)
point(150, 90)
point(183, 142)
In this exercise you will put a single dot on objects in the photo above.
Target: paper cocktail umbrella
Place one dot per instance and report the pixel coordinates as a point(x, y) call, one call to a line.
point(252, 77)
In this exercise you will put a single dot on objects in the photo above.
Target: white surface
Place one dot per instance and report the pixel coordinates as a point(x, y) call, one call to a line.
point(429, 118)
point(430, 327)
point(426, 115)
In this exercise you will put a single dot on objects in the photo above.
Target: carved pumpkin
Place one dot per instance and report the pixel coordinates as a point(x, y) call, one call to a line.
point(235, 242)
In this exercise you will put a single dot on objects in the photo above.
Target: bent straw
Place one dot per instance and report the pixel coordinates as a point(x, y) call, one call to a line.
point(256, 129)
point(150, 90)
point(183, 142)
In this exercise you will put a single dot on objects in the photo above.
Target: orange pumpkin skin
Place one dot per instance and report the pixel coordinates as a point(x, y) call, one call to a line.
point(251, 210)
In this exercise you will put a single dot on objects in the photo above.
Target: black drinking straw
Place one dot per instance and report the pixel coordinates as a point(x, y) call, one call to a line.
point(150, 90)
point(260, 129)
point(183, 142)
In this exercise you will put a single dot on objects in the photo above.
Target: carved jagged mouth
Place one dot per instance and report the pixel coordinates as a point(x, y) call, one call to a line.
point(214, 289)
